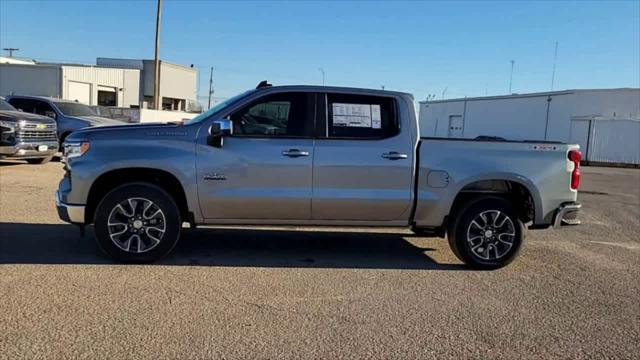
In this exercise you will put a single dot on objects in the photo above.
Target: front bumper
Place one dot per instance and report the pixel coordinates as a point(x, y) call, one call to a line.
point(567, 214)
point(70, 213)
point(27, 150)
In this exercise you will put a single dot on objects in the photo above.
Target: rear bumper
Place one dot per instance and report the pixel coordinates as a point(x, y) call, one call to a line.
point(26, 150)
point(70, 213)
point(567, 214)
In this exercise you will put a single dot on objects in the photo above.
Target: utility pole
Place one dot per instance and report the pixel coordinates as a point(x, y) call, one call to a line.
point(553, 72)
point(322, 71)
point(10, 50)
point(156, 81)
point(210, 87)
point(444, 91)
point(511, 76)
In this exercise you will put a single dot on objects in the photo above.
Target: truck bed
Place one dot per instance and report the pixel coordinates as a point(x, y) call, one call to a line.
point(445, 167)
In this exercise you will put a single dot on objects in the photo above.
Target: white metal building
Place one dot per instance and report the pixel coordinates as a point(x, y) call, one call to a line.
point(178, 83)
point(605, 122)
point(93, 85)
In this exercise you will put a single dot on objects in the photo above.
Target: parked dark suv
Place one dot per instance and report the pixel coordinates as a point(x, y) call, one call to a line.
point(26, 136)
point(69, 115)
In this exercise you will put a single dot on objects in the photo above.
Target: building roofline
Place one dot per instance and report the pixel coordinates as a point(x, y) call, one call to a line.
point(526, 95)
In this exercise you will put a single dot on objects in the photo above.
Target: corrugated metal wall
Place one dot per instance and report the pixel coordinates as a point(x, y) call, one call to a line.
point(41, 80)
point(615, 141)
point(125, 79)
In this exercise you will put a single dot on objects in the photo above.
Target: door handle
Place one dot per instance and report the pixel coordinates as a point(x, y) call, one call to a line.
point(394, 155)
point(294, 153)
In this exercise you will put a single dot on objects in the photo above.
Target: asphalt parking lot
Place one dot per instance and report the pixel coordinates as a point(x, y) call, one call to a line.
point(293, 293)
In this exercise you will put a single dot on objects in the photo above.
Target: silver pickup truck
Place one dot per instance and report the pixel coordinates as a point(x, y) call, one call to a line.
point(313, 156)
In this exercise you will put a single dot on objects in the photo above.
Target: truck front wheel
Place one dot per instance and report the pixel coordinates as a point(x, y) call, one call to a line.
point(137, 222)
point(486, 233)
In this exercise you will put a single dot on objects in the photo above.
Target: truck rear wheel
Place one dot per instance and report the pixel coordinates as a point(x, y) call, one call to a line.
point(137, 223)
point(486, 233)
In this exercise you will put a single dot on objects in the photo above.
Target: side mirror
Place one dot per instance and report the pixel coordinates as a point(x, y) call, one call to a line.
point(218, 130)
point(50, 114)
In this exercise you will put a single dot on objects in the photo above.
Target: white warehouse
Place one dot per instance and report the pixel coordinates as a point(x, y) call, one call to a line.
point(605, 122)
point(93, 85)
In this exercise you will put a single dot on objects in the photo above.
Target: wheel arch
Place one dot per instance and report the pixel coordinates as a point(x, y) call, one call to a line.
point(117, 177)
point(519, 190)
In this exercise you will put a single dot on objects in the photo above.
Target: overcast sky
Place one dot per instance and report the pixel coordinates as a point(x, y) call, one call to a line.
point(418, 47)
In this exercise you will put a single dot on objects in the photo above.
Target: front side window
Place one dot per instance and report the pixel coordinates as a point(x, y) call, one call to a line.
point(361, 116)
point(278, 115)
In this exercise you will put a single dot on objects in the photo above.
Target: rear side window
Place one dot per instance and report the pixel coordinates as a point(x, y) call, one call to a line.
point(361, 116)
point(26, 105)
point(278, 115)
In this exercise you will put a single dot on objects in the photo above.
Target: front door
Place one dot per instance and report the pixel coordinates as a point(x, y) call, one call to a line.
point(264, 170)
point(363, 166)
point(456, 126)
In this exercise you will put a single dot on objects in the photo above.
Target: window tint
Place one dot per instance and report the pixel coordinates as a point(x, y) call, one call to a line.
point(286, 114)
point(361, 116)
point(25, 105)
point(42, 108)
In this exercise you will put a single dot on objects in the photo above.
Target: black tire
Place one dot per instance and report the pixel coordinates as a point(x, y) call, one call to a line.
point(39, 161)
point(477, 252)
point(139, 192)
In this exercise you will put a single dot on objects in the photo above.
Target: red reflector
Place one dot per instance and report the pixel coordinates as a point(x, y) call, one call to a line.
point(575, 156)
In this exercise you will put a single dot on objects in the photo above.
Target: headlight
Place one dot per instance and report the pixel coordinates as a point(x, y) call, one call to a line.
point(75, 149)
point(9, 125)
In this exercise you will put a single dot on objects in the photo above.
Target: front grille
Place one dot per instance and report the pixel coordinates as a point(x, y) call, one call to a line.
point(36, 135)
point(30, 125)
point(32, 131)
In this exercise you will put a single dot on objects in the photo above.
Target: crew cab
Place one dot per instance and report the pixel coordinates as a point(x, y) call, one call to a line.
point(313, 156)
point(25, 136)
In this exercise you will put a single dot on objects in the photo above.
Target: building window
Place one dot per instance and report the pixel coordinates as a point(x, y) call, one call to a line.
point(107, 98)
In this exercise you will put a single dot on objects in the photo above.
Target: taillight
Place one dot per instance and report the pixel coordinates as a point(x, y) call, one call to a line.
point(575, 156)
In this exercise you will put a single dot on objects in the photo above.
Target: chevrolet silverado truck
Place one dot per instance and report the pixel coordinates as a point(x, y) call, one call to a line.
point(313, 156)
point(26, 136)
point(68, 115)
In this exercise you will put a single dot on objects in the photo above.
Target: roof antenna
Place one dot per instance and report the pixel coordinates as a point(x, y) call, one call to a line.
point(263, 83)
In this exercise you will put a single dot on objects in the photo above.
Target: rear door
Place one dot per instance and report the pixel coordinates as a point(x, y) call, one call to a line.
point(363, 162)
point(263, 171)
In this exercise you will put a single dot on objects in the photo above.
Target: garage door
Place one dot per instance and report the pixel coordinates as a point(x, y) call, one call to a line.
point(79, 91)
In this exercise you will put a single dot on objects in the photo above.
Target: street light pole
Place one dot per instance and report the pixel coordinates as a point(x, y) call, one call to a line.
point(322, 71)
point(511, 76)
point(210, 88)
point(156, 81)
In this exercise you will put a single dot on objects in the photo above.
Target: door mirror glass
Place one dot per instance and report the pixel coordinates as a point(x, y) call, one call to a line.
point(50, 114)
point(218, 130)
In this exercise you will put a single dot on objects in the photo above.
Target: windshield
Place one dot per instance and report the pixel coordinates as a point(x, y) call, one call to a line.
point(216, 108)
point(75, 109)
point(6, 106)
